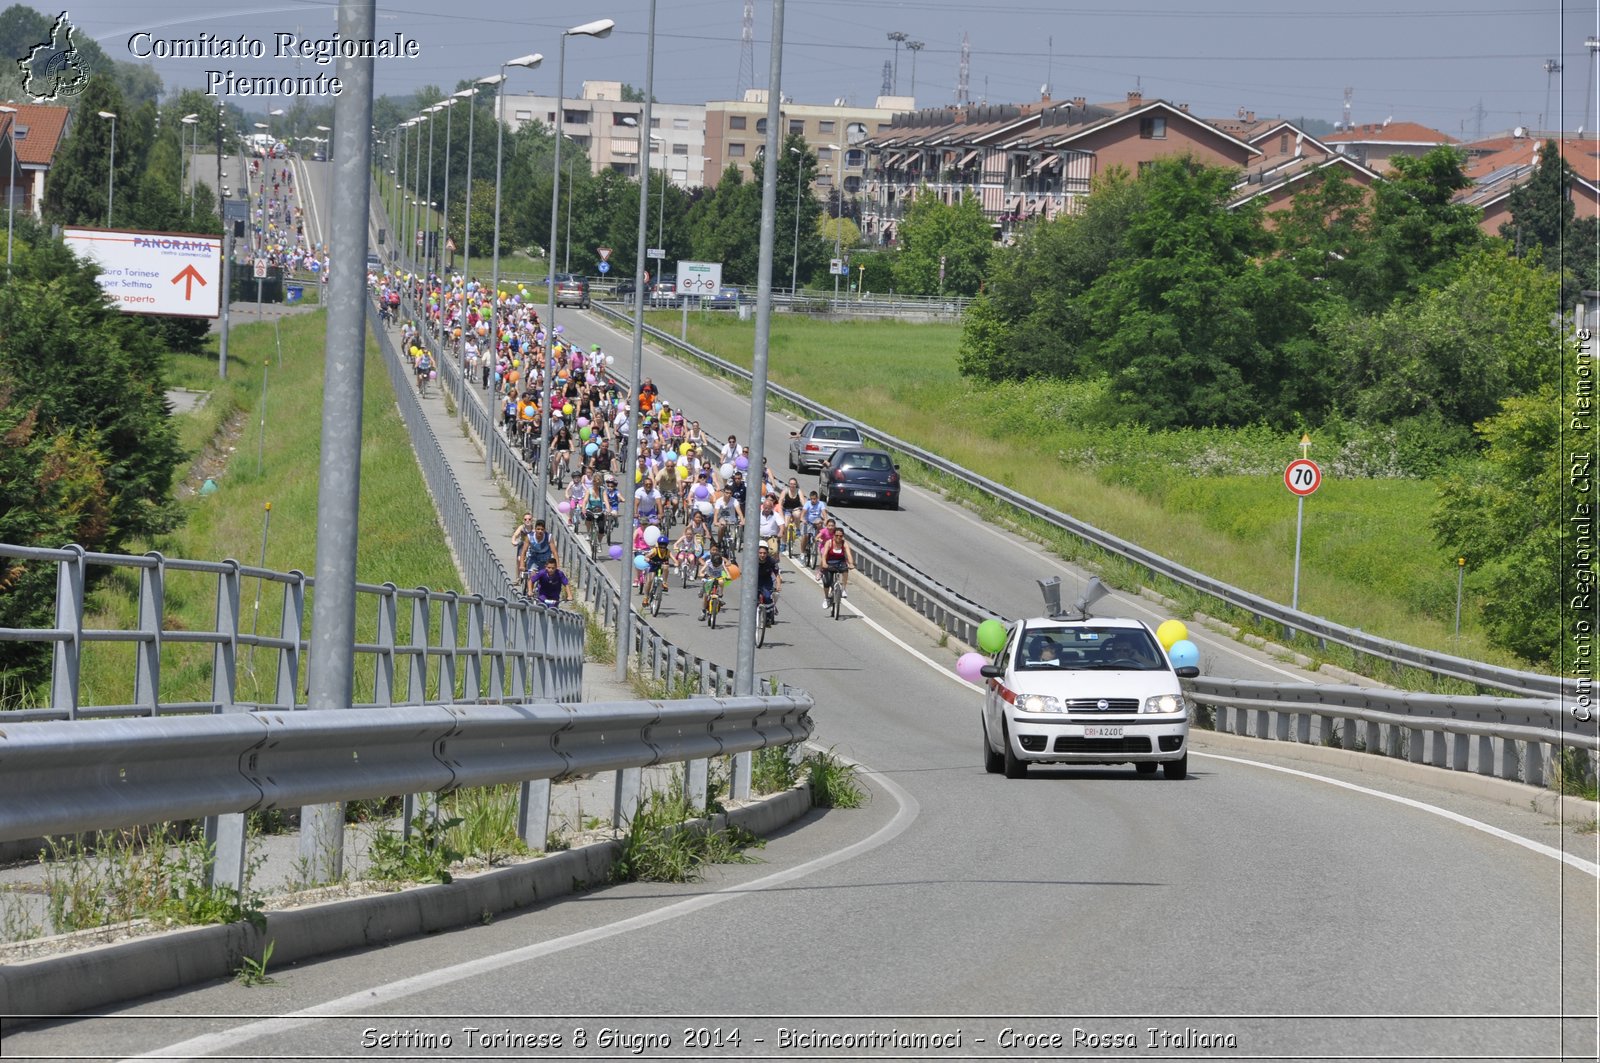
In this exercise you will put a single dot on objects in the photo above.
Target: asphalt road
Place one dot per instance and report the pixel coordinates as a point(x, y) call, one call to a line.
point(1295, 912)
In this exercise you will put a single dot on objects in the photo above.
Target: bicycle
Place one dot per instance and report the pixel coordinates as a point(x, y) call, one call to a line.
point(713, 605)
point(597, 534)
point(791, 532)
point(834, 586)
point(655, 589)
point(766, 617)
point(808, 549)
point(559, 466)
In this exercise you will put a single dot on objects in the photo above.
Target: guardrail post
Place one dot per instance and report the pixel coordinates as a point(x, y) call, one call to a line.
point(1460, 747)
point(625, 796)
point(1302, 728)
point(1394, 742)
point(152, 608)
point(1533, 754)
point(1439, 752)
point(1373, 740)
point(417, 672)
point(1485, 755)
point(227, 835)
point(1280, 725)
point(1510, 768)
point(521, 648)
point(449, 644)
point(67, 658)
point(533, 813)
point(472, 678)
point(500, 618)
point(1415, 740)
point(383, 666)
point(290, 625)
point(739, 783)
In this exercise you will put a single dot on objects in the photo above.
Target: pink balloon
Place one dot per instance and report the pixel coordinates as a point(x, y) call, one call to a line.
point(969, 666)
point(583, 422)
point(564, 508)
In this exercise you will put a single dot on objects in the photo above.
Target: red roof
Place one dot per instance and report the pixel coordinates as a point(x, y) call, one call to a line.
point(1388, 133)
point(44, 125)
point(1522, 151)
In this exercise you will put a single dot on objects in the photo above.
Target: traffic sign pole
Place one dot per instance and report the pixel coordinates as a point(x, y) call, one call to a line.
point(1299, 525)
point(1302, 477)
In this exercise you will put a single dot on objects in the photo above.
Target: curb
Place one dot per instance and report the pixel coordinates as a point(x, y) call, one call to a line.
point(1545, 801)
point(106, 975)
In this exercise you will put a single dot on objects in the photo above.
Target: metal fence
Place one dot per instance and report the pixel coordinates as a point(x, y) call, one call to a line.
point(1510, 738)
point(1290, 620)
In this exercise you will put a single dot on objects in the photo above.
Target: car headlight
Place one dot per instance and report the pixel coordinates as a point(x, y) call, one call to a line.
point(1039, 703)
point(1164, 703)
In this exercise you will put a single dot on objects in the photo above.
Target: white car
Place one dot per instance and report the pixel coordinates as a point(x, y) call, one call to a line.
point(1097, 690)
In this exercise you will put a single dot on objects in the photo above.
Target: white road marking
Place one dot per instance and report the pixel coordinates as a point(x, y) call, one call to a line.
point(1455, 817)
point(371, 999)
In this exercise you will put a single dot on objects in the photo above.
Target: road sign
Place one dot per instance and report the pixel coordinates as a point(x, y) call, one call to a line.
point(604, 252)
point(655, 252)
point(1302, 476)
point(699, 278)
point(154, 273)
point(604, 267)
point(838, 268)
point(260, 268)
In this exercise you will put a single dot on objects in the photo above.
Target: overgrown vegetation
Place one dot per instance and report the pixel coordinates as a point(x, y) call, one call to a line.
point(662, 845)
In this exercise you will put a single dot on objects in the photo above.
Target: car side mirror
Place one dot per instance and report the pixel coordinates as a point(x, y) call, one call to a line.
point(992, 671)
point(1188, 671)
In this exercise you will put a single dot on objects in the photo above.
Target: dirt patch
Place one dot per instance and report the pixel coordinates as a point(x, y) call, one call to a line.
point(213, 460)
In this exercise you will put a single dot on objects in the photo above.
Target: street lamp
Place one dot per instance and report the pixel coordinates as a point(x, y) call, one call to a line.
point(838, 198)
point(448, 106)
point(799, 178)
point(914, 47)
point(111, 173)
point(600, 29)
point(897, 37)
point(466, 225)
point(327, 141)
point(11, 185)
point(431, 111)
point(527, 62)
point(415, 225)
point(188, 120)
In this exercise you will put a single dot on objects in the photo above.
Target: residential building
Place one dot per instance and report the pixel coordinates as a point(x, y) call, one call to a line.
point(736, 133)
point(1032, 160)
point(1374, 144)
point(1497, 165)
point(606, 126)
point(36, 129)
point(1289, 162)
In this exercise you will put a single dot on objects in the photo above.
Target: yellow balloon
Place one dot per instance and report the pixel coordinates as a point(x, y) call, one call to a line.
point(637, 476)
point(1170, 632)
point(684, 450)
point(567, 409)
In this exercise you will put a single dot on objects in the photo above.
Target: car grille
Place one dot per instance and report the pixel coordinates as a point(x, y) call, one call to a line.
point(1076, 744)
point(1111, 705)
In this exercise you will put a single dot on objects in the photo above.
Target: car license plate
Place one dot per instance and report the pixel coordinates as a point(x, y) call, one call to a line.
point(865, 494)
point(1101, 731)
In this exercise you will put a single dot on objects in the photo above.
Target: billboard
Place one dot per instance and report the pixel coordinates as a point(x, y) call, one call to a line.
point(154, 273)
point(699, 278)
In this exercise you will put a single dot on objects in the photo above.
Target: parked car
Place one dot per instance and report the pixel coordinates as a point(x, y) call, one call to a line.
point(624, 291)
point(860, 474)
point(724, 299)
point(1094, 690)
point(572, 290)
point(816, 442)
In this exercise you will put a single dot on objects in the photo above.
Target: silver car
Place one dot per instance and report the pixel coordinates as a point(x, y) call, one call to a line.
point(813, 445)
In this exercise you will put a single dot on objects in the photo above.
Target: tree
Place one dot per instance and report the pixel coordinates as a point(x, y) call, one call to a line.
point(76, 191)
point(839, 232)
point(1417, 232)
point(725, 224)
point(1544, 224)
point(1455, 353)
point(1029, 320)
point(933, 232)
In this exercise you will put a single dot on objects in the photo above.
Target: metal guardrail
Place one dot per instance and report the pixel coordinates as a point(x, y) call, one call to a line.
point(1291, 620)
point(66, 778)
point(1515, 738)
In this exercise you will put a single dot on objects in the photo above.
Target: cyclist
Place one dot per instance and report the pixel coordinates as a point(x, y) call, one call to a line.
point(424, 367)
point(713, 574)
point(613, 505)
point(690, 547)
point(648, 502)
point(813, 513)
point(541, 549)
point(658, 556)
point(791, 501)
point(519, 539)
point(550, 585)
point(769, 580)
point(561, 449)
point(594, 504)
point(726, 515)
point(770, 524)
point(837, 559)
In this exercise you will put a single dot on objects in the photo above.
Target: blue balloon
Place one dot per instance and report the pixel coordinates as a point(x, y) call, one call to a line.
point(640, 562)
point(591, 449)
point(1184, 654)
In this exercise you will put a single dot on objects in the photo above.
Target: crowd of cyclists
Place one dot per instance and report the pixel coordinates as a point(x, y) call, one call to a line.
point(692, 493)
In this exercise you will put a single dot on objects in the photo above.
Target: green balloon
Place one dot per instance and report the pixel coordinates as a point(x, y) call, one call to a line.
point(583, 433)
point(991, 636)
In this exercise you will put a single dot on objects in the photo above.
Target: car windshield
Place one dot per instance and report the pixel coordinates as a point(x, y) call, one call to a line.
point(869, 462)
point(836, 433)
point(1055, 648)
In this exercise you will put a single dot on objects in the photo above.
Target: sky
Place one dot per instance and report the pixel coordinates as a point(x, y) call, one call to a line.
point(1430, 61)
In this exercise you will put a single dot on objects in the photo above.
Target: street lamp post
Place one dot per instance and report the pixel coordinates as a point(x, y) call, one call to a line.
point(799, 179)
point(449, 105)
point(914, 47)
point(183, 163)
point(838, 197)
point(111, 171)
point(566, 265)
point(431, 111)
point(527, 62)
point(415, 226)
point(897, 37)
point(466, 225)
point(600, 28)
point(327, 140)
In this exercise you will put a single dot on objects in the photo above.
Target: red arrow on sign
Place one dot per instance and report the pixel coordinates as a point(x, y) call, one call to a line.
point(189, 275)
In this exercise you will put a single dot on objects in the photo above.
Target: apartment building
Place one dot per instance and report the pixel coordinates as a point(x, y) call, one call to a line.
point(606, 126)
point(736, 133)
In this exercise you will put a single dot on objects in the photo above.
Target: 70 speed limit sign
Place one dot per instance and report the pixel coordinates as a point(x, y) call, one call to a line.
point(1302, 477)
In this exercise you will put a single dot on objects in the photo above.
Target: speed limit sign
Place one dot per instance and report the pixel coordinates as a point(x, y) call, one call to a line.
point(1302, 477)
